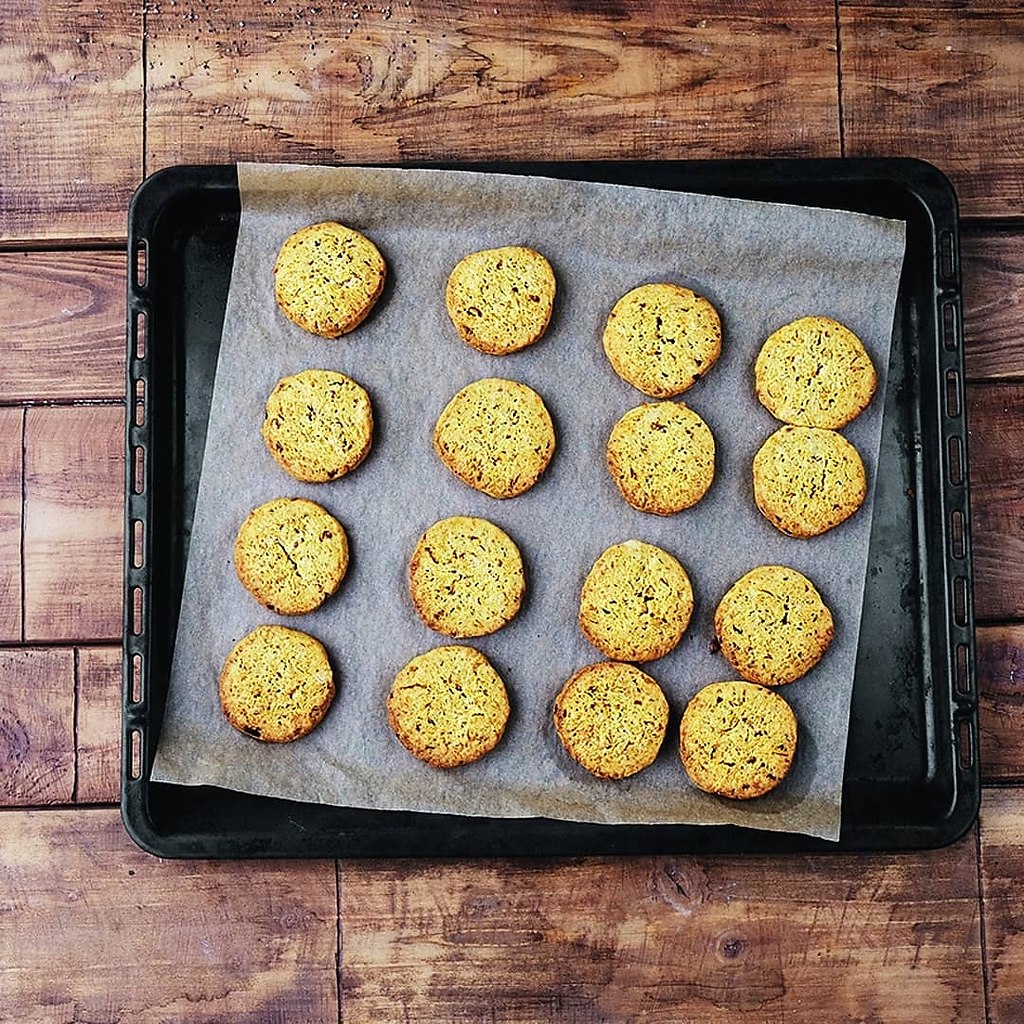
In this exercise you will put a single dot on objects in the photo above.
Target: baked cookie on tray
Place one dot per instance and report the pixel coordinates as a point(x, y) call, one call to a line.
point(772, 625)
point(661, 456)
point(276, 684)
point(448, 707)
point(327, 278)
point(662, 338)
point(808, 480)
point(496, 436)
point(611, 719)
point(636, 602)
point(318, 425)
point(500, 300)
point(737, 739)
point(814, 372)
point(466, 577)
point(291, 555)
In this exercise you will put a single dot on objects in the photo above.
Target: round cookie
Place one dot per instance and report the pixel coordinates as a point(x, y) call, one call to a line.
point(661, 456)
point(808, 480)
point(327, 278)
point(500, 300)
point(772, 625)
point(318, 425)
point(611, 718)
point(466, 577)
point(814, 372)
point(636, 602)
point(291, 555)
point(737, 739)
point(497, 436)
point(448, 707)
point(276, 684)
point(662, 338)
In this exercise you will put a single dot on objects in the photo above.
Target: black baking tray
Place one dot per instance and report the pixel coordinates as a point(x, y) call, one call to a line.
point(911, 774)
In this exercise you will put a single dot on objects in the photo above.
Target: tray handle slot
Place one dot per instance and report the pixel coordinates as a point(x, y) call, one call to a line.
point(140, 263)
point(134, 754)
point(947, 257)
point(960, 600)
point(138, 544)
point(965, 744)
point(953, 404)
point(137, 611)
point(957, 541)
point(955, 462)
point(141, 325)
point(962, 666)
point(135, 686)
point(949, 322)
point(139, 470)
point(140, 403)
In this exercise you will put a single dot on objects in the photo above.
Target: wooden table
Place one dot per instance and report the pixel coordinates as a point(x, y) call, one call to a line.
point(94, 97)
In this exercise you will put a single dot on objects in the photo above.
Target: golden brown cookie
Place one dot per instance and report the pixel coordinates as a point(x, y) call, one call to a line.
point(662, 457)
point(772, 625)
point(636, 602)
point(500, 300)
point(497, 436)
point(808, 480)
point(319, 425)
point(662, 338)
point(737, 739)
point(611, 718)
point(276, 684)
point(448, 707)
point(291, 555)
point(814, 372)
point(327, 278)
point(466, 577)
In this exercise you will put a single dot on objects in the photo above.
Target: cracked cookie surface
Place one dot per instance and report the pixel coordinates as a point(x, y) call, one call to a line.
point(466, 577)
point(291, 555)
point(773, 626)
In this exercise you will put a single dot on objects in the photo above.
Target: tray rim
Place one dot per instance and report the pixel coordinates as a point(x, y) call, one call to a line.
point(925, 182)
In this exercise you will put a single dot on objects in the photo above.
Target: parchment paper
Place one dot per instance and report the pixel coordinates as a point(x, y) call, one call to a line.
point(760, 264)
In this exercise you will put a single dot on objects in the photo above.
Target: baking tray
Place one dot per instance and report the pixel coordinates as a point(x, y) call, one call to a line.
point(911, 775)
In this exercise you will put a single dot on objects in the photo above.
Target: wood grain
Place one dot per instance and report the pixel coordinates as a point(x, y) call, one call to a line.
point(995, 415)
point(1002, 865)
point(98, 736)
point(940, 81)
point(72, 91)
point(62, 323)
point(719, 939)
point(1000, 654)
point(96, 930)
point(993, 272)
point(11, 427)
point(74, 482)
point(437, 80)
point(37, 744)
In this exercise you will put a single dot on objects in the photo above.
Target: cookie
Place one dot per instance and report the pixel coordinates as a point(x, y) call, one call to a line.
point(327, 278)
point(497, 436)
point(500, 300)
point(737, 739)
point(808, 480)
point(611, 718)
point(814, 372)
point(662, 338)
point(636, 602)
point(291, 555)
point(772, 625)
point(276, 684)
point(448, 707)
point(466, 577)
point(662, 457)
point(318, 425)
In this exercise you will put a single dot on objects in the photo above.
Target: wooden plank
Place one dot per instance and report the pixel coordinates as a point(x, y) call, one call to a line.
point(74, 479)
point(98, 736)
point(433, 79)
point(665, 939)
point(11, 429)
point(1000, 654)
point(72, 90)
point(939, 81)
point(96, 930)
point(37, 745)
point(995, 415)
point(61, 311)
point(1002, 867)
point(993, 271)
